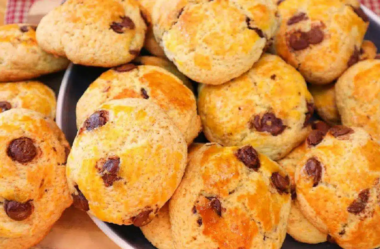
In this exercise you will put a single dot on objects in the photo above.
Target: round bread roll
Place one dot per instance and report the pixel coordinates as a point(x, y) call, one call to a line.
point(126, 146)
point(165, 64)
point(298, 226)
point(269, 108)
point(102, 33)
point(146, 82)
point(213, 42)
point(159, 231)
point(20, 56)
point(325, 102)
point(230, 197)
point(321, 39)
point(358, 97)
point(33, 186)
point(338, 186)
point(150, 42)
point(32, 95)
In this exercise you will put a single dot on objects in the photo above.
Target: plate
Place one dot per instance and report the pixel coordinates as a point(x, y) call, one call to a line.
point(76, 80)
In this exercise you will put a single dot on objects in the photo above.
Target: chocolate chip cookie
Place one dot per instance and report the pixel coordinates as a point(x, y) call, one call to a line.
point(159, 231)
point(146, 82)
point(126, 146)
point(269, 108)
point(34, 190)
point(213, 42)
point(102, 33)
point(20, 56)
point(298, 226)
point(325, 102)
point(358, 96)
point(230, 197)
point(320, 39)
point(368, 51)
point(32, 95)
point(338, 186)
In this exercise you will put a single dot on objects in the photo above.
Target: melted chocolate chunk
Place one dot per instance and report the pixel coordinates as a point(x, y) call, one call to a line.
point(125, 68)
point(96, 120)
point(249, 156)
point(80, 202)
point(315, 137)
point(340, 130)
point(121, 27)
point(144, 94)
point(268, 123)
point(18, 211)
point(309, 114)
point(314, 169)
point(355, 57)
point(315, 35)
point(5, 106)
point(199, 221)
point(109, 171)
point(280, 182)
point(142, 218)
point(361, 14)
point(298, 41)
point(358, 205)
point(22, 150)
point(297, 18)
point(320, 126)
point(216, 205)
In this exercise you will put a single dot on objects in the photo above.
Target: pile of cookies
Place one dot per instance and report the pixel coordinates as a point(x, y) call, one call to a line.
point(263, 68)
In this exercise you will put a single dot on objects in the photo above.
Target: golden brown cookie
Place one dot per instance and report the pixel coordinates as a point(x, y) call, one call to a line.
point(321, 38)
point(32, 95)
point(34, 191)
point(269, 108)
point(338, 186)
point(126, 146)
point(145, 82)
point(159, 231)
point(358, 96)
point(213, 42)
point(102, 33)
point(368, 50)
point(230, 197)
point(20, 56)
point(325, 102)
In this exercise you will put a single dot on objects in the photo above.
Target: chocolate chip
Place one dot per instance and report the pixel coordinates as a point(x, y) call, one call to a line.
point(257, 30)
point(330, 239)
point(142, 218)
point(361, 14)
point(249, 156)
point(297, 18)
point(125, 68)
point(315, 137)
point(96, 120)
point(320, 126)
point(120, 27)
point(24, 29)
point(354, 57)
point(273, 77)
point(340, 130)
point(144, 94)
point(199, 221)
point(18, 211)
point(281, 183)
point(109, 171)
point(80, 202)
point(22, 150)
point(268, 123)
point(194, 210)
point(293, 192)
point(315, 35)
point(359, 204)
point(314, 169)
point(5, 106)
point(298, 41)
point(309, 114)
point(216, 205)
point(343, 232)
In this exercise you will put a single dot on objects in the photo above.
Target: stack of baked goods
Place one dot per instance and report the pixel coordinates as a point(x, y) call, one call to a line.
point(267, 167)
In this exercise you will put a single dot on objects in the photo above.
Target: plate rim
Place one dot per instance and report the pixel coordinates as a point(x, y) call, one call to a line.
point(116, 238)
